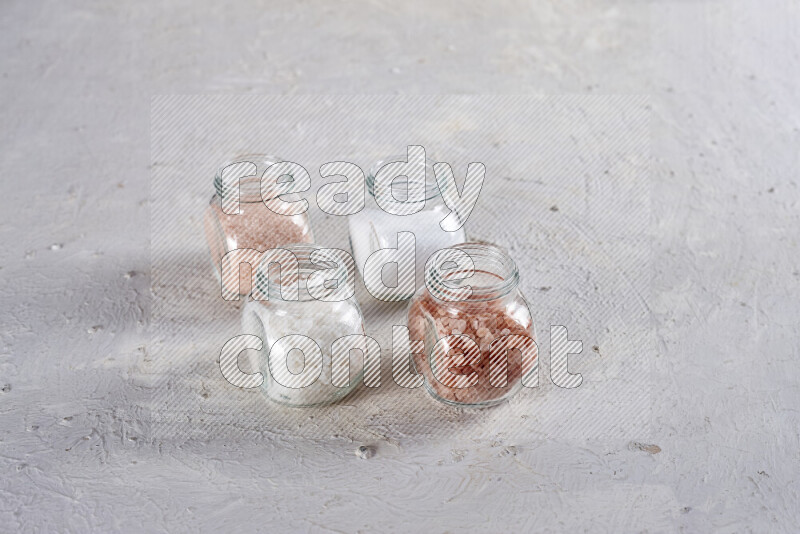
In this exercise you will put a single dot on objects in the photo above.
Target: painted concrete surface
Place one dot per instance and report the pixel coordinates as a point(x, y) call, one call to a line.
point(80, 447)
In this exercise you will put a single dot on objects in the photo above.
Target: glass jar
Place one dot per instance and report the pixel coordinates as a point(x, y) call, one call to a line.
point(255, 226)
point(477, 326)
point(372, 229)
point(287, 372)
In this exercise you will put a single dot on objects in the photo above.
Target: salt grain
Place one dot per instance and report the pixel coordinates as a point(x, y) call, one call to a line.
point(365, 452)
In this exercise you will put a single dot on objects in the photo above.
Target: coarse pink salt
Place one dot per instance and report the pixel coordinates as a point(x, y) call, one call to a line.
point(483, 390)
point(475, 363)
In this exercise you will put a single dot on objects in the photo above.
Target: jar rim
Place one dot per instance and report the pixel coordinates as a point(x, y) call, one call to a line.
point(272, 285)
point(249, 186)
point(432, 189)
point(489, 259)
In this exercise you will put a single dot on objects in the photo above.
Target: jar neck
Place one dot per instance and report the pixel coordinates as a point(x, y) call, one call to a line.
point(399, 190)
point(241, 178)
point(495, 276)
point(277, 284)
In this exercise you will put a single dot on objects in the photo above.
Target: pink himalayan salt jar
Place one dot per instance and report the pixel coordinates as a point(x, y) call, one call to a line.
point(255, 226)
point(495, 317)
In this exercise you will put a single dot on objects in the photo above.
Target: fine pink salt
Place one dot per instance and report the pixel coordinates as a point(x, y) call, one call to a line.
point(256, 228)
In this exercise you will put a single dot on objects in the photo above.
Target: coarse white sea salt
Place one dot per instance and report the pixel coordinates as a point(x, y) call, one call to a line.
point(324, 322)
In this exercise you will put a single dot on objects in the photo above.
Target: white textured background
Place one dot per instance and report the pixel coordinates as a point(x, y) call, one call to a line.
point(77, 455)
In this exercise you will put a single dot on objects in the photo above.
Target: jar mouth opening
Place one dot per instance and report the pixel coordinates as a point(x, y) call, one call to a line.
point(495, 274)
point(249, 185)
point(275, 282)
point(399, 189)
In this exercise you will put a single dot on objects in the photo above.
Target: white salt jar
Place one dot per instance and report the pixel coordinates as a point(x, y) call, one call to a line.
point(301, 372)
point(373, 228)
